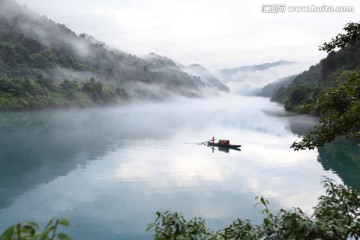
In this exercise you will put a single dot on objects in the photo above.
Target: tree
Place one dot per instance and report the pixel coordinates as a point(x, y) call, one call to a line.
point(339, 106)
point(46, 82)
point(94, 89)
point(351, 36)
point(69, 88)
point(327, 66)
point(29, 87)
point(299, 94)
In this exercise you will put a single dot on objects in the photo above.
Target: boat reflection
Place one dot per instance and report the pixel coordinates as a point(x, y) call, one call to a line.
point(223, 149)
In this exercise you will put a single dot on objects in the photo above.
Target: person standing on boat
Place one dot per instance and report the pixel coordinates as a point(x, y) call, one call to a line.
point(213, 140)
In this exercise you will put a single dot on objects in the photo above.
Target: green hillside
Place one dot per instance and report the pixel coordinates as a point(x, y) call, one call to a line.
point(45, 64)
point(337, 67)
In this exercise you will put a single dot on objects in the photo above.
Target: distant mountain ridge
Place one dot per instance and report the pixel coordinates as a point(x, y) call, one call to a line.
point(260, 67)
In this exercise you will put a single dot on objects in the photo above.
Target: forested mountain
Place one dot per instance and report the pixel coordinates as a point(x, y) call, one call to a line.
point(337, 67)
point(269, 89)
point(43, 63)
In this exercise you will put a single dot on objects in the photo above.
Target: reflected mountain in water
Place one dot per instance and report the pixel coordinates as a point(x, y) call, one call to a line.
point(110, 169)
point(37, 147)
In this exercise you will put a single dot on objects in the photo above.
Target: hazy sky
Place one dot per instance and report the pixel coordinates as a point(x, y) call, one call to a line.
point(216, 34)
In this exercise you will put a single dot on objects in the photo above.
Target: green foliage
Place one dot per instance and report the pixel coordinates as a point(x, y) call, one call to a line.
point(327, 66)
point(287, 224)
point(330, 89)
point(297, 95)
point(94, 89)
point(336, 216)
point(239, 229)
point(339, 209)
point(28, 69)
point(18, 51)
point(69, 88)
point(43, 92)
point(47, 83)
point(173, 226)
point(301, 90)
point(30, 231)
point(351, 37)
point(62, 54)
point(339, 110)
point(122, 94)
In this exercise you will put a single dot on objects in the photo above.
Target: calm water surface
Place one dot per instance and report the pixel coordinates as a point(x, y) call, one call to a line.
point(109, 170)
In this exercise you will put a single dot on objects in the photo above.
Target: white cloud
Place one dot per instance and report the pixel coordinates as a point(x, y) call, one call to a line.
point(214, 33)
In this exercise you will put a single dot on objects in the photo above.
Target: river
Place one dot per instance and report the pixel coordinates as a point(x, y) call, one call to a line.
point(108, 170)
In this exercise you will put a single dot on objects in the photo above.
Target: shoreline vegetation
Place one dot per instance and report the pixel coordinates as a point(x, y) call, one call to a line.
point(336, 216)
point(330, 88)
point(25, 94)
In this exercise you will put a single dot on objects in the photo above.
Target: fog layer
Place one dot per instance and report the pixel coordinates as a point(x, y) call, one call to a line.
point(248, 80)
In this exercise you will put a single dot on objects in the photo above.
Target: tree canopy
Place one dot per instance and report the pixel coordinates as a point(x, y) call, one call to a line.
point(351, 36)
point(338, 106)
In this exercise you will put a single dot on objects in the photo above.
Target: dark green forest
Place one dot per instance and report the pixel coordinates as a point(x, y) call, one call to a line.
point(41, 92)
point(27, 80)
point(337, 67)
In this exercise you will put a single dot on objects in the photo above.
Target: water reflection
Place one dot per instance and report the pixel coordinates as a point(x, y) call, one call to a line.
point(109, 170)
point(340, 156)
point(37, 147)
point(343, 157)
point(223, 149)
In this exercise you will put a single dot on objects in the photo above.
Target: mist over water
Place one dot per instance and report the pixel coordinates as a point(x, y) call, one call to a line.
point(108, 170)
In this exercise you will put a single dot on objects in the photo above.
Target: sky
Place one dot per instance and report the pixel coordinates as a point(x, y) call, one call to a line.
point(216, 34)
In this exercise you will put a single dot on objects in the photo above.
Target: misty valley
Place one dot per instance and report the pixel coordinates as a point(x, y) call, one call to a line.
point(108, 170)
point(110, 140)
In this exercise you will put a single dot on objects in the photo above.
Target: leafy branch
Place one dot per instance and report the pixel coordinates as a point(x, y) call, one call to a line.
point(30, 231)
point(351, 36)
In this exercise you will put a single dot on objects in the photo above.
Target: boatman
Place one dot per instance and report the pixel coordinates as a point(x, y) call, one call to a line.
point(213, 139)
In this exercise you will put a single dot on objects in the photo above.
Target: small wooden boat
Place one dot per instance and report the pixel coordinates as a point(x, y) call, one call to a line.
point(223, 143)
